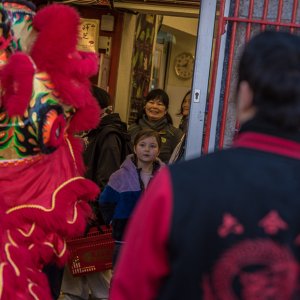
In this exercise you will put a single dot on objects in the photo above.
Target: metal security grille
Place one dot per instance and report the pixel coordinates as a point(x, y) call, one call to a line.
point(244, 19)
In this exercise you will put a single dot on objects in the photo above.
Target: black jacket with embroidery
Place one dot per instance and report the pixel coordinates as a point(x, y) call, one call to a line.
point(235, 227)
point(221, 227)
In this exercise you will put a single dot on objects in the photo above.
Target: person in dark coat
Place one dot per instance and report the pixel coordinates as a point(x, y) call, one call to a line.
point(106, 148)
point(178, 153)
point(226, 225)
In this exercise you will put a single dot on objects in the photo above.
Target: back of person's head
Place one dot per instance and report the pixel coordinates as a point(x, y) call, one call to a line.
point(101, 96)
point(145, 133)
point(270, 64)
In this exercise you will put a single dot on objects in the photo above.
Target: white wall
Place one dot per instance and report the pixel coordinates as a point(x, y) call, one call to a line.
point(124, 71)
point(176, 87)
point(187, 25)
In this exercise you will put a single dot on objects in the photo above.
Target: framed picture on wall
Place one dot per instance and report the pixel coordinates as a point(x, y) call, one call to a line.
point(158, 71)
point(88, 35)
point(104, 66)
point(141, 63)
point(159, 66)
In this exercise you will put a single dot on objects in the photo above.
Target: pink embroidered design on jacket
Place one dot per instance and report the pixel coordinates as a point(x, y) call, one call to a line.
point(230, 225)
point(272, 223)
point(253, 270)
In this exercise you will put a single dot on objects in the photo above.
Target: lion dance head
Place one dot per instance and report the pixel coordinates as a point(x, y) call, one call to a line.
point(45, 100)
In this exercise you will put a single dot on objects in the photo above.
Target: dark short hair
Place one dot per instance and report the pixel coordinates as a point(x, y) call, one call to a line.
point(145, 133)
point(101, 96)
point(270, 64)
point(159, 95)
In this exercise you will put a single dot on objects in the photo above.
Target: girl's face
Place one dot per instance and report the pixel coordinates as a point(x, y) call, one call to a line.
point(155, 109)
point(186, 105)
point(147, 149)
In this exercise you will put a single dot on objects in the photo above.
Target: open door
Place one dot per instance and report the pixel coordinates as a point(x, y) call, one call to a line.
point(213, 120)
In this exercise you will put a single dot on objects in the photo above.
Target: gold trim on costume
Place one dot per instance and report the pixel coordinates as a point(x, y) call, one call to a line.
point(75, 214)
point(72, 152)
point(11, 243)
point(52, 202)
point(11, 239)
point(63, 251)
point(29, 233)
point(31, 291)
point(2, 265)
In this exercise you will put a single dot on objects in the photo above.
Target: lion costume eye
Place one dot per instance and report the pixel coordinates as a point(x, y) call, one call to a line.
point(52, 129)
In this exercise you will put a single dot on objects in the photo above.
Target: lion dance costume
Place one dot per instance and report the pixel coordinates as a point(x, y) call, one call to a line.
point(45, 100)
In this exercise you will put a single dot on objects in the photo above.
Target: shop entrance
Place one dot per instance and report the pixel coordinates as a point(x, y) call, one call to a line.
point(228, 25)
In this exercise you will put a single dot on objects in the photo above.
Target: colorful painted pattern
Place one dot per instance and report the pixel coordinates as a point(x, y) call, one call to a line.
point(20, 16)
point(26, 136)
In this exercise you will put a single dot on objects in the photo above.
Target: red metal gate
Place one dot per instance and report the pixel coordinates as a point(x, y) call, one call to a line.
point(245, 18)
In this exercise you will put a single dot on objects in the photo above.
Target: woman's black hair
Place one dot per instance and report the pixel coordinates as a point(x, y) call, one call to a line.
point(157, 94)
point(181, 109)
point(270, 64)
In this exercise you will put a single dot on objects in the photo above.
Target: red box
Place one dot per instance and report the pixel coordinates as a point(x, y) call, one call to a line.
point(92, 253)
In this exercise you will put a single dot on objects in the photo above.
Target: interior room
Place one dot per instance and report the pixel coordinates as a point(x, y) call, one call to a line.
point(141, 47)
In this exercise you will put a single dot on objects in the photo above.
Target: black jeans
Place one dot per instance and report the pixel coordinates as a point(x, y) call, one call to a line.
point(55, 275)
point(116, 253)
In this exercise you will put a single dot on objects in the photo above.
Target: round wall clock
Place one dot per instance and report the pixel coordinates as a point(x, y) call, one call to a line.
point(184, 65)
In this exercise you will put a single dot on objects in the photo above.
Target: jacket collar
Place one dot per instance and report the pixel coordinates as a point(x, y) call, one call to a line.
point(260, 135)
point(268, 143)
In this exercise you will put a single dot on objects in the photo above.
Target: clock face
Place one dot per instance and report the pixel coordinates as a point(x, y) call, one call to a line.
point(184, 65)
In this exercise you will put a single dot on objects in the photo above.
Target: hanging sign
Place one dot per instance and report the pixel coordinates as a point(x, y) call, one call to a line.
point(88, 35)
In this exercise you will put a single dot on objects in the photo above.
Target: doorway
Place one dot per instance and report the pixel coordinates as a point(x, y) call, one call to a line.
point(149, 65)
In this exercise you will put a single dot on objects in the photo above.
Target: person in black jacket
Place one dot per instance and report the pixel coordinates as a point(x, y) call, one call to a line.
point(226, 225)
point(108, 144)
point(106, 148)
